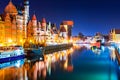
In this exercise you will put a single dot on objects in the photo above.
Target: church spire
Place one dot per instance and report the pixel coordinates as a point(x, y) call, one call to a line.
point(34, 17)
point(34, 20)
point(26, 16)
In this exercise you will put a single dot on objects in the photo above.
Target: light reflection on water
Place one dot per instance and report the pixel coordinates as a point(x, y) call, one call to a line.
point(80, 63)
point(24, 70)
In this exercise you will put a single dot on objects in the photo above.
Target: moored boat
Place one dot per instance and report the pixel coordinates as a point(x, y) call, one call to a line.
point(33, 50)
point(11, 53)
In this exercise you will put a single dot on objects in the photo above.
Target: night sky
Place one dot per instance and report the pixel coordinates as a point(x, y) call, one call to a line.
point(89, 16)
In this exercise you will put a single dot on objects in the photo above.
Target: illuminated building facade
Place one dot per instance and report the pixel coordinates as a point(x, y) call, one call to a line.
point(40, 32)
point(115, 35)
point(17, 28)
point(13, 21)
point(66, 29)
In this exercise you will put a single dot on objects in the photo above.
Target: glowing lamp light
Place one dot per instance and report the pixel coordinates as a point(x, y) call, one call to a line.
point(9, 40)
point(21, 40)
point(70, 68)
point(30, 40)
point(71, 40)
point(1, 44)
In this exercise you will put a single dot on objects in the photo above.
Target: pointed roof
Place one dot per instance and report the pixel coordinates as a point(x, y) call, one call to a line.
point(117, 31)
point(39, 24)
point(43, 20)
point(34, 17)
point(62, 29)
point(11, 9)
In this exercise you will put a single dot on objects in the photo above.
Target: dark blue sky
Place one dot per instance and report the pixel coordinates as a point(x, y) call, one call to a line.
point(89, 16)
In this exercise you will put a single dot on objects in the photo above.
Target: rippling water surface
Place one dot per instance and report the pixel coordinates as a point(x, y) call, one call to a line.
point(78, 63)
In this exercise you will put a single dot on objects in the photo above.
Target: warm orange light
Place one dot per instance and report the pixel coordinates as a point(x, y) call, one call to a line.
point(30, 40)
point(21, 40)
point(70, 68)
point(1, 44)
point(70, 23)
point(9, 40)
point(66, 64)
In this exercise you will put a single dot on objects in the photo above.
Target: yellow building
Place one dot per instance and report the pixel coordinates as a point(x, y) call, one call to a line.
point(115, 35)
point(11, 26)
point(30, 32)
point(2, 31)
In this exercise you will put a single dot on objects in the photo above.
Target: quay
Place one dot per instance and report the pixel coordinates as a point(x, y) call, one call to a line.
point(55, 48)
point(38, 52)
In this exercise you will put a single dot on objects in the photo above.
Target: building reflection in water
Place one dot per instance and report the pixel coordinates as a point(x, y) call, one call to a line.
point(12, 70)
point(37, 70)
point(79, 46)
point(98, 51)
point(60, 60)
point(112, 55)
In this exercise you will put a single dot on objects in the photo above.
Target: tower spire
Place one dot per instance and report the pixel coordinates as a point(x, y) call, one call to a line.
point(26, 16)
point(34, 17)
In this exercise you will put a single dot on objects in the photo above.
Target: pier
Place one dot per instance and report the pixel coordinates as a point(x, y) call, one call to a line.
point(55, 48)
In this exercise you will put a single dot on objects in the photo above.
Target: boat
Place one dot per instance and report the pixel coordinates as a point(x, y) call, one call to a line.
point(37, 50)
point(11, 53)
point(33, 51)
point(96, 42)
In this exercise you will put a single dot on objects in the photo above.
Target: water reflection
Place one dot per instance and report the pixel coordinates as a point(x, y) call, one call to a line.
point(84, 64)
point(79, 46)
point(68, 64)
point(112, 54)
point(12, 70)
point(97, 50)
point(36, 69)
point(60, 59)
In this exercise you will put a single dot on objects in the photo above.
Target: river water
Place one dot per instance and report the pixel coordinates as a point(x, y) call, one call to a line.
point(77, 63)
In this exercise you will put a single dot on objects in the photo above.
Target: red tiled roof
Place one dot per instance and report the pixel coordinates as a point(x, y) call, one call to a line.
point(62, 29)
point(43, 20)
point(34, 17)
point(70, 23)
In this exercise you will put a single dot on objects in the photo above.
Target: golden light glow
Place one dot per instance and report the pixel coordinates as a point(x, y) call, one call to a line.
point(30, 40)
point(1, 44)
point(21, 40)
point(71, 40)
point(66, 64)
point(9, 40)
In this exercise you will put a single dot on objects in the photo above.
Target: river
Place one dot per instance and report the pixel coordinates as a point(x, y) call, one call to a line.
point(77, 63)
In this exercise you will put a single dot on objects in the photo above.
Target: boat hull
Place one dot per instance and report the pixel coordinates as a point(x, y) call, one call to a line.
point(12, 58)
